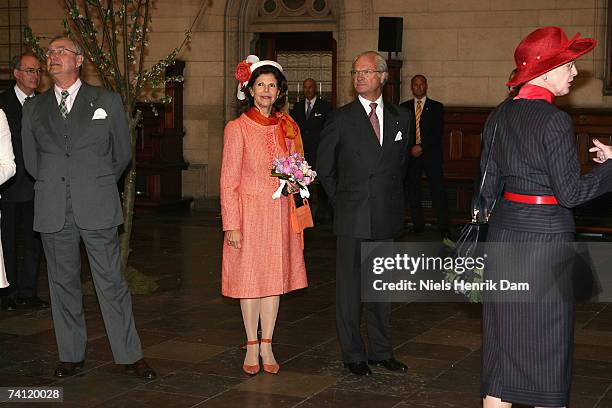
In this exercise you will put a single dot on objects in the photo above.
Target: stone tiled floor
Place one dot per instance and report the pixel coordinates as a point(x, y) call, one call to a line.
point(192, 337)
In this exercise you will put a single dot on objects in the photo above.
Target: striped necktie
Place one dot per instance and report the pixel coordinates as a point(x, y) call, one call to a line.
point(417, 113)
point(62, 106)
point(308, 108)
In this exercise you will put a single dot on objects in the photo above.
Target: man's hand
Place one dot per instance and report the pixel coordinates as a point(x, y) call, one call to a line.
point(234, 238)
point(416, 151)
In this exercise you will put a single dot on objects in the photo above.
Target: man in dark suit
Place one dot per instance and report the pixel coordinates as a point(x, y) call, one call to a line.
point(76, 145)
point(17, 202)
point(310, 114)
point(428, 126)
point(361, 163)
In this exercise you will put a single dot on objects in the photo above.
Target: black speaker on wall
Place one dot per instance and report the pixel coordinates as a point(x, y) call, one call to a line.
point(390, 31)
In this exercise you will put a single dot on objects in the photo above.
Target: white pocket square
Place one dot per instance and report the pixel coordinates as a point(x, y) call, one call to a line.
point(99, 114)
point(398, 136)
point(317, 114)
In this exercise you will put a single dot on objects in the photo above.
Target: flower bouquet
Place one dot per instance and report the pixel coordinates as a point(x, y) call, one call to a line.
point(293, 169)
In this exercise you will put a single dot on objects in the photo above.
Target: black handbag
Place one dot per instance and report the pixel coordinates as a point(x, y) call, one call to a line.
point(471, 241)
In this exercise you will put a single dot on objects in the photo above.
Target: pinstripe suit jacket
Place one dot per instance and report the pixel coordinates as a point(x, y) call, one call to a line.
point(534, 153)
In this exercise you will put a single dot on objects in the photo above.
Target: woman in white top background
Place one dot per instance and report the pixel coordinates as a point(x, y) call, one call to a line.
point(7, 170)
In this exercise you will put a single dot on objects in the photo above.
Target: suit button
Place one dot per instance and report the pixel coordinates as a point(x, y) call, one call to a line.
point(63, 178)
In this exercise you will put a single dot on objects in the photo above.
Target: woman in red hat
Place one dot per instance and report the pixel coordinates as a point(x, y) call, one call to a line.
point(528, 334)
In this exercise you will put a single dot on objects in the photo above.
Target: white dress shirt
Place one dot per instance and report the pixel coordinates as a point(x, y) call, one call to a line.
point(73, 91)
point(379, 112)
point(422, 104)
point(21, 95)
point(312, 102)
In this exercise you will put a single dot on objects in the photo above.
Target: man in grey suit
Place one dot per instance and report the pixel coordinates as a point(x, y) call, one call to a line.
point(76, 145)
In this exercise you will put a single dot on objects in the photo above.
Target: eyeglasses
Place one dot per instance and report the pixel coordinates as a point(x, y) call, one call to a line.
point(32, 71)
point(59, 51)
point(364, 72)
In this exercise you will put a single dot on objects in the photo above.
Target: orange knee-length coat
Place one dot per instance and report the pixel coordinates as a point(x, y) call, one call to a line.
point(271, 260)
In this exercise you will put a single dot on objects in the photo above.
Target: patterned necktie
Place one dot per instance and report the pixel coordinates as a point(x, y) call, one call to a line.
point(62, 106)
point(374, 120)
point(419, 110)
point(308, 108)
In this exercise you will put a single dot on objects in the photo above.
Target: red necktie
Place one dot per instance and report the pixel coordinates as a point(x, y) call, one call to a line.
point(374, 120)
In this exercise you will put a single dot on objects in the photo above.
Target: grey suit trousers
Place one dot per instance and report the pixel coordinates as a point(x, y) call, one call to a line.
point(64, 269)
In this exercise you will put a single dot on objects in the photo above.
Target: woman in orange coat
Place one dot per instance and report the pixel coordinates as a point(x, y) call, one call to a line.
point(262, 256)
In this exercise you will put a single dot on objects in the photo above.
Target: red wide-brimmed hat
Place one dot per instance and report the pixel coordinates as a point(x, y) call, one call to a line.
point(546, 49)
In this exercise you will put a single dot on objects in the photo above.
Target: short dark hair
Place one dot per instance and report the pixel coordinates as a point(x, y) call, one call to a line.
point(16, 61)
point(418, 76)
point(281, 82)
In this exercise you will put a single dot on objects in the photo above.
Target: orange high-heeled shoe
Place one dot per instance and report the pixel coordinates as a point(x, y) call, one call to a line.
point(251, 369)
point(269, 368)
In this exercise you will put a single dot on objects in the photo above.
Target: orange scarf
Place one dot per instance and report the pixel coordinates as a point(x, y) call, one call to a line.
point(288, 129)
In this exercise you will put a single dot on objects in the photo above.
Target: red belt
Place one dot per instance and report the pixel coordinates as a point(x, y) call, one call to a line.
point(530, 199)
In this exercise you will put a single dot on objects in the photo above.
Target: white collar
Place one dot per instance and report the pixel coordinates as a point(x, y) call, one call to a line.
point(72, 90)
point(21, 95)
point(366, 103)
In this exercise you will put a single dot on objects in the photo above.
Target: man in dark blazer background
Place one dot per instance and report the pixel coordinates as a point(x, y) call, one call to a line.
point(310, 113)
point(76, 145)
point(361, 163)
point(17, 196)
point(426, 155)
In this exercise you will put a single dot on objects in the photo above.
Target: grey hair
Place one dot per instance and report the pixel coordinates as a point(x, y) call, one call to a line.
point(77, 47)
point(381, 63)
point(16, 60)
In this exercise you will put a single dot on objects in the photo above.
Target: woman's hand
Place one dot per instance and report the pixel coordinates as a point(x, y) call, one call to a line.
point(603, 151)
point(234, 238)
point(292, 188)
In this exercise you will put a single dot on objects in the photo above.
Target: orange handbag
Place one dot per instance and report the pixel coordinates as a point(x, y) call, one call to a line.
point(301, 217)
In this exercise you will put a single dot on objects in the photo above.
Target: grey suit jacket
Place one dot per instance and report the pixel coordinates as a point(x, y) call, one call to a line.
point(85, 155)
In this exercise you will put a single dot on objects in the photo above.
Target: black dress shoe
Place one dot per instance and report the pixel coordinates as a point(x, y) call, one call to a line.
point(33, 302)
point(141, 369)
point(66, 369)
point(8, 304)
point(390, 364)
point(360, 368)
